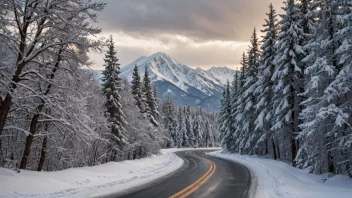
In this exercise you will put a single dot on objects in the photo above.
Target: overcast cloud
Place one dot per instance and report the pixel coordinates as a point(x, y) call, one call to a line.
point(198, 33)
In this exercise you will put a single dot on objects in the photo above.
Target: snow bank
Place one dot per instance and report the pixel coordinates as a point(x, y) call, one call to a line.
point(99, 180)
point(278, 179)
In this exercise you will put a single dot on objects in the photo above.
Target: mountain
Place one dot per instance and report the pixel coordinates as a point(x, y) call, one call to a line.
point(186, 86)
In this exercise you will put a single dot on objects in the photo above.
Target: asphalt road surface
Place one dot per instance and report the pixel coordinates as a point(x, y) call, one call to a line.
point(201, 176)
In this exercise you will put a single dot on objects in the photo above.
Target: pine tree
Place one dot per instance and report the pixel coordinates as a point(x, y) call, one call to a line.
point(264, 85)
point(225, 117)
point(137, 89)
point(233, 100)
point(326, 130)
point(237, 107)
point(189, 128)
point(288, 78)
point(208, 139)
point(197, 132)
point(222, 112)
point(170, 122)
point(180, 128)
point(156, 98)
point(198, 128)
point(248, 113)
point(244, 64)
point(150, 103)
point(340, 90)
point(111, 88)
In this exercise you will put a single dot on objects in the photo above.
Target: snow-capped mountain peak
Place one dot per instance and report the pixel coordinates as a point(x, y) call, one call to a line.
point(169, 73)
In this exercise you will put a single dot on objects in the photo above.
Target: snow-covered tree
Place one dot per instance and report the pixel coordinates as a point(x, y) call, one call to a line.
point(150, 102)
point(288, 80)
point(244, 65)
point(208, 135)
point(137, 89)
point(264, 85)
point(170, 123)
point(198, 130)
point(180, 131)
point(189, 128)
point(326, 129)
point(225, 117)
point(248, 98)
point(32, 28)
point(112, 88)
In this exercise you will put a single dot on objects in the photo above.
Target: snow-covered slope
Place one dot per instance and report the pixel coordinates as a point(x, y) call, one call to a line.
point(218, 74)
point(275, 179)
point(187, 86)
point(95, 181)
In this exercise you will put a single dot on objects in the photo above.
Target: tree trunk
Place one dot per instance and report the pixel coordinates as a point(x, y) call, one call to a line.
point(134, 154)
point(293, 152)
point(95, 152)
point(331, 168)
point(35, 118)
point(274, 148)
point(4, 110)
point(278, 151)
point(30, 137)
point(43, 150)
point(42, 154)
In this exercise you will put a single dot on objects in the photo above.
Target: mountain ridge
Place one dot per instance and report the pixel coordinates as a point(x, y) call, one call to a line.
point(185, 85)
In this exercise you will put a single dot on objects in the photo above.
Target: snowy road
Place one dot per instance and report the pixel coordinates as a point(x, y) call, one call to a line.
point(201, 176)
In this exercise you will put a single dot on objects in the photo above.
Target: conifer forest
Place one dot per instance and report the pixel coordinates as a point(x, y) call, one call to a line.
point(291, 100)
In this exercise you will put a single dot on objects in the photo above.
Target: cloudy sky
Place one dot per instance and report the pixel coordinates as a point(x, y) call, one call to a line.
point(198, 33)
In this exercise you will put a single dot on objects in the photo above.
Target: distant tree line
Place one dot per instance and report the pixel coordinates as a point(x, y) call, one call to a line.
point(292, 99)
point(189, 126)
point(186, 126)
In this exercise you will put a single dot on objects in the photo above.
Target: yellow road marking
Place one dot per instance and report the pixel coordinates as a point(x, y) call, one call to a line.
point(195, 185)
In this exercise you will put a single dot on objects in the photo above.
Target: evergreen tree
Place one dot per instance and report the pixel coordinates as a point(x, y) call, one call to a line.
point(137, 89)
point(197, 132)
point(237, 106)
point(111, 88)
point(244, 64)
point(156, 98)
point(208, 139)
point(170, 122)
point(340, 90)
point(225, 117)
point(189, 128)
point(264, 85)
point(288, 78)
point(326, 127)
point(223, 140)
point(180, 128)
point(248, 113)
point(233, 100)
point(319, 74)
point(150, 103)
point(198, 128)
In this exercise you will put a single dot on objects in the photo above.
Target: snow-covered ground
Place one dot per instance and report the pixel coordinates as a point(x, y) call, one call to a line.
point(93, 181)
point(276, 179)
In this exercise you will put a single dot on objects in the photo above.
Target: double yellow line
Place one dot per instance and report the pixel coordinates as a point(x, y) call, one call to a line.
point(197, 184)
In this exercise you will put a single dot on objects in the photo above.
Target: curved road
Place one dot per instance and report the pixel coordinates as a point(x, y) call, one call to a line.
point(201, 176)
